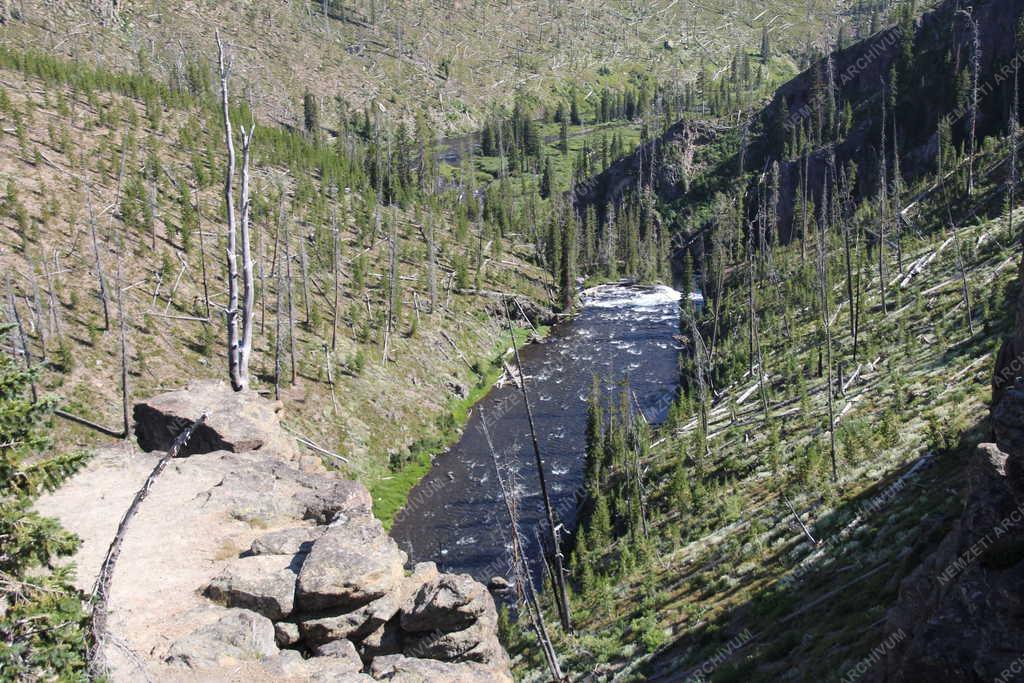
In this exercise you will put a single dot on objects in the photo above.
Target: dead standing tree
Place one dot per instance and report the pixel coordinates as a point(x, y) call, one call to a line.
point(561, 591)
point(523, 577)
point(239, 347)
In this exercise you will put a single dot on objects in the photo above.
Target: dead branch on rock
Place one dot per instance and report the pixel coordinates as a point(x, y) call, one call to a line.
point(101, 591)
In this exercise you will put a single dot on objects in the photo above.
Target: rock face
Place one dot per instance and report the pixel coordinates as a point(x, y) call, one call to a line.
point(238, 636)
point(352, 564)
point(960, 609)
point(236, 421)
point(323, 595)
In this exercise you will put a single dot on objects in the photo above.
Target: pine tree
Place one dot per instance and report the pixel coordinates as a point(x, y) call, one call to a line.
point(563, 137)
point(574, 111)
point(42, 625)
point(766, 52)
point(567, 280)
point(547, 179)
point(311, 115)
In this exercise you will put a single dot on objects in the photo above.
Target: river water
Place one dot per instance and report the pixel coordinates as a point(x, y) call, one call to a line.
point(455, 515)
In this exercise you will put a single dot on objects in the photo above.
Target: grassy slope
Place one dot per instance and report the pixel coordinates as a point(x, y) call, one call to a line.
point(380, 410)
point(453, 60)
point(726, 559)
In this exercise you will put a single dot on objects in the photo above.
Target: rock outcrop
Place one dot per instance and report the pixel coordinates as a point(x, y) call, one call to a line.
point(243, 564)
point(960, 610)
point(236, 421)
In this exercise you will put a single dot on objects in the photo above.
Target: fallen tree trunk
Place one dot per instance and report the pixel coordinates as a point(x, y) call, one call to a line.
point(101, 591)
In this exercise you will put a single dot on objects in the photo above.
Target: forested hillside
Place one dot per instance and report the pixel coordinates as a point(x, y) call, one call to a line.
point(416, 180)
point(453, 61)
point(858, 250)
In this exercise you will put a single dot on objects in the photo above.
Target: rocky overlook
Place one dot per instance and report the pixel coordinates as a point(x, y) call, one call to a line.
point(250, 562)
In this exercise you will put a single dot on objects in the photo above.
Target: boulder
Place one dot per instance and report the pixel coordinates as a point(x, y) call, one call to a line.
point(287, 541)
point(476, 643)
point(357, 624)
point(402, 669)
point(289, 665)
point(344, 654)
point(261, 583)
point(256, 488)
point(286, 633)
point(448, 603)
point(351, 565)
point(386, 640)
point(238, 636)
point(236, 421)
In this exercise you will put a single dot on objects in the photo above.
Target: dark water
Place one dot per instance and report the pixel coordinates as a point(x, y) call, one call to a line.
point(455, 515)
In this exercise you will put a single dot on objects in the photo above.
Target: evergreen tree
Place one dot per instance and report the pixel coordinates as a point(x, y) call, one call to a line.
point(547, 179)
point(766, 51)
point(567, 279)
point(311, 115)
point(574, 111)
point(563, 137)
point(42, 625)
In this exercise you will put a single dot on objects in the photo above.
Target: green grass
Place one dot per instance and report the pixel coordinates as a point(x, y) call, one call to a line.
point(390, 492)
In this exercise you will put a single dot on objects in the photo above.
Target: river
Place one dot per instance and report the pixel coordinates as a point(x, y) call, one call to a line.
point(455, 515)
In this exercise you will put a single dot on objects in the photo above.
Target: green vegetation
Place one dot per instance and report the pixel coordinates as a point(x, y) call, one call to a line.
point(391, 491)
point(42, 625)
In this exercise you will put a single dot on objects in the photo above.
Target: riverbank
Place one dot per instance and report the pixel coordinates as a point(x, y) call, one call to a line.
point(455, 515)
point(391, 492)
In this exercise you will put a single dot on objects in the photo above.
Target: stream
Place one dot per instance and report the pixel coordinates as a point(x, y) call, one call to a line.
point(455, 515)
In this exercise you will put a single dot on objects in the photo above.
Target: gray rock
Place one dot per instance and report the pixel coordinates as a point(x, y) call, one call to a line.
point(351, 565)
point(386, 640)
point(258, 488)
point(325, 628)
point(357, 624)
point(342, 650)
point(401, 669)
point(286, 633)
point(448, 603)
point(287, 541)
point(238, 636)
point(261, 583)
point(236, 421)
point(476, 643)
point(290, 665)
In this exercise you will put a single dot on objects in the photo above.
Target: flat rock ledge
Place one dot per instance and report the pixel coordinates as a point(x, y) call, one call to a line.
point(324, 595)
point(236, 421)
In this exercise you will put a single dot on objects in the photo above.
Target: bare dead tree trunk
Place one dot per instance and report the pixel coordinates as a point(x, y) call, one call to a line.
point(248, 289)
point(278, 298)
point(973, 111)
point(288, 291)
point(22, 338)
point(524, 578)
point(54, 301)
point(560, 588)
point(304, 273)
point(125, 411)
point(392, 280)
point(823, 289)
point(239, 345)
point(202, 257)
point(336, 267)
point(100, 280)
point(40, 319)
point(431, 263)
point(883, 204)
point(260, 275)
point(101, 590)
point(964, 289)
